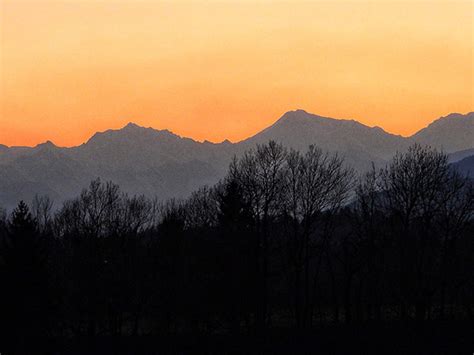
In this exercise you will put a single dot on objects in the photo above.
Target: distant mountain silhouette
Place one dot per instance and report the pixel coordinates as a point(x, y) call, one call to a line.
point(359, 144)
point(161, 163)
point(451, 133)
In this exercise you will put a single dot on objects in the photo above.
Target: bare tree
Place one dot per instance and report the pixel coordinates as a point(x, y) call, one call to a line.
point(202, 208)
point(455, 213)
point(261, 174)
point(42, 207)
point(316, 183)
point(419, 187)
point(93, 212)
point(368, 224)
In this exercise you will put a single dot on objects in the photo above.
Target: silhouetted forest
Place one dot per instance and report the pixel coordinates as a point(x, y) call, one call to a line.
point(287, 243)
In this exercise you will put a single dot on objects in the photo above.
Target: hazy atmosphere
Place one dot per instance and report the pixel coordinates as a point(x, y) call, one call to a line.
point(236, 177)
point(220, 69)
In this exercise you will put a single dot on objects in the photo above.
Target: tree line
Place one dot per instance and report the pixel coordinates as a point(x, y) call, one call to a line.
point(287, 239)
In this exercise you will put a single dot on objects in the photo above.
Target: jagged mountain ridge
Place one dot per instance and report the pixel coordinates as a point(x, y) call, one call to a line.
point(359, 144)
point(161, 163)
point(454, 132)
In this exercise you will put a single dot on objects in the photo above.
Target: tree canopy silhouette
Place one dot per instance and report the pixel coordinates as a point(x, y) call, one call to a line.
point(287, 239)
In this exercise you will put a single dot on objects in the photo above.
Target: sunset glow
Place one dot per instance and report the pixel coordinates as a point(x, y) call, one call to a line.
point(217, 70)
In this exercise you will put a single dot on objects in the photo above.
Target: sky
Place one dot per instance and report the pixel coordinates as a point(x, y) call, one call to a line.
point(215, 70)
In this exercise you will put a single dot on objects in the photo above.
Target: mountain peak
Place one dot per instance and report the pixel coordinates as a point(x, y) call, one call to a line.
point(131, 125)
point(457, 115)
point(130, 134)
point(454, 118)
point(295, 114)
point(451, 133)
point(300, 111)
point(299, 116)
point(135, 128)
point(47, 145)
point(302, 117)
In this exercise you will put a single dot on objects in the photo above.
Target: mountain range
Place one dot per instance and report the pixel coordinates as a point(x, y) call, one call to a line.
point(160, 163)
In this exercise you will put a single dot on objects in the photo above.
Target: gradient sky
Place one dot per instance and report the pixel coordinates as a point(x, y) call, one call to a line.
point(220, 69)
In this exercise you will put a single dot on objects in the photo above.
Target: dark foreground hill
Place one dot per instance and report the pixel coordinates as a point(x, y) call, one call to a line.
point(437, 338)
point(466, 166)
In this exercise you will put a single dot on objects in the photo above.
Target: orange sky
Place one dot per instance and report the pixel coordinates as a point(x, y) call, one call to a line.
point(221, 69)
